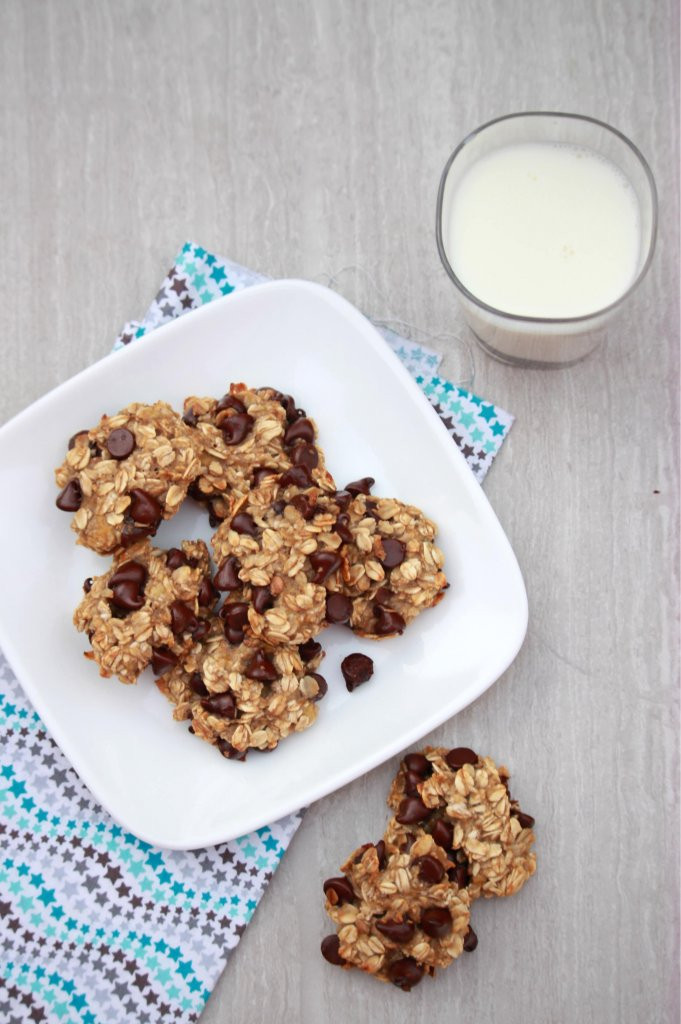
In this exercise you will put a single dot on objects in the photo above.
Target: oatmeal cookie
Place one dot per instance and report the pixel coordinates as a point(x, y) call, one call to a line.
point(245, 696)
point(391, 569)
point(462, 801)
point(250, 438)
point(148, 609)
point(124, 476)
point(397, 914)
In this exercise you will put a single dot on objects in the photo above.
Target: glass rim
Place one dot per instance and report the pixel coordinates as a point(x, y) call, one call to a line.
point(519, 317)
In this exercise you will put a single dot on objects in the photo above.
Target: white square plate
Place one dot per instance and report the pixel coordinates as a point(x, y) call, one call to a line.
point(158, 781)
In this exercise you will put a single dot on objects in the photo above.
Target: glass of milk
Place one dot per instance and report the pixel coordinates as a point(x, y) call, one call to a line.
point(546, 224)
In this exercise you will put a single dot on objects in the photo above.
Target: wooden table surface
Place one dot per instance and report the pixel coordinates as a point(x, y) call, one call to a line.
point(301, 138)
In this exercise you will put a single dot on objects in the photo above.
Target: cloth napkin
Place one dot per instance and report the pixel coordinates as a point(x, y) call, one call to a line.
point(96, 926)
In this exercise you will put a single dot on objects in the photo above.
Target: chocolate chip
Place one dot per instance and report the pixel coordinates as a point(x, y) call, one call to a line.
point(190, 418)
point(197, 685)
point(362, 486)
point(436, 922)
point(182, 617)
point(278, 506)
point(430, 869)
point(305, 455)
point(338, 608)
point(525, 820)
point(460, 875)
point(300, 430)
point(127, 596)
point(470, 941)
point(396, 931)
point(309, 650)
point(131, 533)
point(235, 614)
point(382, 596)
point(303, 505)
point(380, 852)
point(342, 499)
point(129, 572)
point(243, 522)
point(330, 950)
point(394, 550)
point(74, 438)
point(342, 528)
point(236, 428)
point(201, 630)
point(356, 669)
point(418, 763)
point(387, 621)
point(207, 593)
point(233, 636)
point(342, 889)
point(411, 810)
point(144, 508)
point(230, 752)
point(221, 704)
point(87, 585)
point(229, 402)
point(296, 476)
point(175, 558)
point(262, 599)
point(261, 668)
point(324, 563)
point(70, 498)
point(405, 973)
point(120, 443)
point(443, 834)
point(162, 658)
point(412, 780)
point(321, 683)
point(261, 473)
point(459, 756)
point(227, 576)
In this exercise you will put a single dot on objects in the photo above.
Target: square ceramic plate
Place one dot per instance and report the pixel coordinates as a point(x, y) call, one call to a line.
point(158, 781)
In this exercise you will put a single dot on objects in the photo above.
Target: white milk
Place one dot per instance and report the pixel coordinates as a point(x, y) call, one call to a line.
point(544, 230)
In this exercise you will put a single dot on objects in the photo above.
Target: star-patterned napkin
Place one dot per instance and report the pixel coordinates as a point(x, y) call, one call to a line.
point(97, 926)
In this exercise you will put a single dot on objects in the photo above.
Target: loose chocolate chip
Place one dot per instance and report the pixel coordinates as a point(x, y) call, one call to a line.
point(300, 430)
point(182, 617)
point(387, 621)
point(230, 402)
point(430, 869)
point(261, 668)
point(230, 752)
point(70, 497)
point(338, 608)
point(175, 558)
point(380, 851)
point(236, 428)
point(412, 781)
point(235, 614)
point(197, 685)
point(296, 476)
point(120, 443)
point(162, 658)
point(144, 508)
point(207, 593)
point(309, 650)
point(382, 597)
point(234, 636)
point(342, 528)
point(342, 499)
point(405, 973)
point(321, 683)
point(243, 522)
point(330, 950)
point(305, 455)
point(221, 704)
point(87, 585)
point(342, 889)
point(460, 756)
point(470, 941)
point(418, 763)
point(394, 550)
point(126, 596)
point(356, 669)
point(261, 473)
point(303, 505)
point(129, 572)
point(201, 630)
point(525, 820)
point(362, 486)
point(227, 576)
point(443, 834)
point(324, 563)
point(74, 438)
point(262, 599)
point(436, 922)
point(411, 810)
point(396, 931)
point(190, 418)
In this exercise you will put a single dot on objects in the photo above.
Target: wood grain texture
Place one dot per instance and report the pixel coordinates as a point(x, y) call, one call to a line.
point(300, 138)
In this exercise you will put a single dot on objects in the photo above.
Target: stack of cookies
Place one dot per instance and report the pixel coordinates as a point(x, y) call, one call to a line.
point(233, 643)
